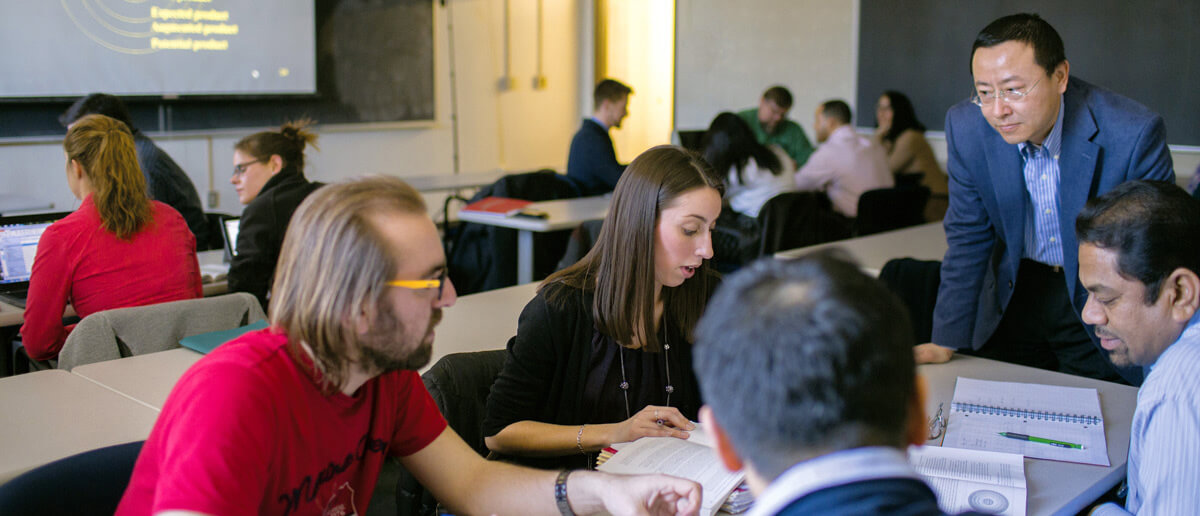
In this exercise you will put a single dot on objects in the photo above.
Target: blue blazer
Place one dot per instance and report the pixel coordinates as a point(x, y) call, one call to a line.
point(592, 162)
point(1107, 139)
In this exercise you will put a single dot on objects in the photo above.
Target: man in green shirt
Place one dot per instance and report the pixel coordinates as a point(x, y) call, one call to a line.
point(771, 126)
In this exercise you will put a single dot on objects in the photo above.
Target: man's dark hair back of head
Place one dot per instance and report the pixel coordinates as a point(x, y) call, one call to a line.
point(780, 96)
point(805, 357)
point(837, 110)
point(97, 104)
point(1026, 28)
point(609, 89)
point(1154, 226)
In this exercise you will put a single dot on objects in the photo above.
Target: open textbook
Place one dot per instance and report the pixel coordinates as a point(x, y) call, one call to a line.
point(693, 459)
point(1040, 421)
point(972, 480)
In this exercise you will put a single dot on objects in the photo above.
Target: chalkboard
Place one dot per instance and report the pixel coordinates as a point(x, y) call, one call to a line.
point(1148, 50)
point(374, 64)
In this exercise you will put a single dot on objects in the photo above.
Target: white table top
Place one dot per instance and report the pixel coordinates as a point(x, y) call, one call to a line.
point(480, 322)
point(53, 414)
point(433, 183)
point(1053, 487)
point(924, 242)
point(146, 379)
point(561, 214)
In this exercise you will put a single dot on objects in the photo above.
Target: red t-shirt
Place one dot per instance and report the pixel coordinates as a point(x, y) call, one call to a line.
point(80, 262)
point(247, 431)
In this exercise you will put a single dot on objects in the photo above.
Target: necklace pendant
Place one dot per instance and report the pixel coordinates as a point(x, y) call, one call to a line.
point(666, 347)
point(670, 389)
point(624, 386)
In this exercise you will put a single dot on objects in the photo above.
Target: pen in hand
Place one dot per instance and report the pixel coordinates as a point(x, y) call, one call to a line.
point(1042, 440)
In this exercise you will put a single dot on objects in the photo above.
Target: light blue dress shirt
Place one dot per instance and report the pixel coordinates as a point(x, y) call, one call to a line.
point(1164, 440)
point(1043, 240)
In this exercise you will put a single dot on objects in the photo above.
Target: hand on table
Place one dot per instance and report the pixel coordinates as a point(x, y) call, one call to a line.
point(930, 353)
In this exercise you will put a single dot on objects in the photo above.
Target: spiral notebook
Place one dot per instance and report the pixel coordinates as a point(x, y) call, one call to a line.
point(981, 410)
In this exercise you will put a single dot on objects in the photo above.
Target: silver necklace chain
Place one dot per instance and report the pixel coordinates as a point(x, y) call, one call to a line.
point(625, 382)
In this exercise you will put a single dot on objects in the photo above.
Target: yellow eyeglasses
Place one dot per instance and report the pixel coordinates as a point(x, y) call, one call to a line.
point(438, 283)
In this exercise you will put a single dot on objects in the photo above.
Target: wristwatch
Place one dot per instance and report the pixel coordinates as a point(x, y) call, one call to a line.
point(560, 493)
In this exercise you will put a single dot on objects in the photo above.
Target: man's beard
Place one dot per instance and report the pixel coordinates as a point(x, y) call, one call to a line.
point(383, 348)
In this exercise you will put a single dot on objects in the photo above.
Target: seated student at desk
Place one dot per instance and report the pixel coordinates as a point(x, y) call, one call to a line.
point(297, 419)
point(754, 173)
point(1138, 262)
point(809, 381)
point(902, 136)
point(119, 249)
point(846, 164)
point(268, 173)
point(603, 353)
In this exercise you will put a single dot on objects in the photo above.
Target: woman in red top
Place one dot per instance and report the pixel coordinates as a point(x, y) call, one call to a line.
point(118, 249)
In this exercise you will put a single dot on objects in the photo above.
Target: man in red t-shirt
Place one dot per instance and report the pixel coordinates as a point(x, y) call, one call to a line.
point(298, 418)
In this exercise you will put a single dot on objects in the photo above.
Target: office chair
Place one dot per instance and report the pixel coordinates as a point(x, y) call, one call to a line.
point(88, 483)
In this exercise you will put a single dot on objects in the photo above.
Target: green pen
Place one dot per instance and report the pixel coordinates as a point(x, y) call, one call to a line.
point(1043, 440)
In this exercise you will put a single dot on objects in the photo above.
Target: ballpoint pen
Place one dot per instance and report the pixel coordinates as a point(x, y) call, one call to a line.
point(1042, 440)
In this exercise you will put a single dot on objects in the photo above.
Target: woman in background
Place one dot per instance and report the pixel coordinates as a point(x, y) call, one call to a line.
point(268, 173)
point(754, 173)
point(603, 353)
point(119, 249)
point(908, 152)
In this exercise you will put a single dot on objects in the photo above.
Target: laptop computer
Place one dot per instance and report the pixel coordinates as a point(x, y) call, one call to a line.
point(19, 236)
point(229, 230)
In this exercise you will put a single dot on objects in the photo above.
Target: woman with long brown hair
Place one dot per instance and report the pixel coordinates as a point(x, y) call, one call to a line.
point(603, 353)
point(118, 249)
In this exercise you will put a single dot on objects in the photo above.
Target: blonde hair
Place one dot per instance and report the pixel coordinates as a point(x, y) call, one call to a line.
point(334, 266)
point(103, 146)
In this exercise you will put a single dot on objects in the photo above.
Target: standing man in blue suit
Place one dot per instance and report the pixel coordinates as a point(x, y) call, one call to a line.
point(592, 162)
point(1025, 154)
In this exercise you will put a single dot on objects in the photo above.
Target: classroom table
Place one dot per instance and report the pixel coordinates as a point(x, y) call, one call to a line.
point(1053, 487)
point(560, 214)
point(924, 242)
point(146, 379)
point(54, 414)
point(437, 182)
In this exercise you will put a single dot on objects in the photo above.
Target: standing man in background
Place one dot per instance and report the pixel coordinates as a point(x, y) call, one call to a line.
point(1030, 147)
point(166, 182)
point(772, 127)
point(592, 161)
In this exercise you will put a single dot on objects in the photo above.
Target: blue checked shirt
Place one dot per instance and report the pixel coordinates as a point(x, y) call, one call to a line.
point(1043, 241)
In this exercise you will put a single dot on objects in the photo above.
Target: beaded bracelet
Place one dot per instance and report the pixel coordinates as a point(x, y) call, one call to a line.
point(579, 439)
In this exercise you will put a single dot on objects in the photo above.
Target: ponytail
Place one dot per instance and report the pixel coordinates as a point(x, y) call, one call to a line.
point(288, 143)
point(104, 147)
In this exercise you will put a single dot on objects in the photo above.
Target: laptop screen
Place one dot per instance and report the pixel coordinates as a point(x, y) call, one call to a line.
point(229, 228)
point(19, 236)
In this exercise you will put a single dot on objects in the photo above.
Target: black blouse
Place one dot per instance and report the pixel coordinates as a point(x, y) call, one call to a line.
point(560, 370)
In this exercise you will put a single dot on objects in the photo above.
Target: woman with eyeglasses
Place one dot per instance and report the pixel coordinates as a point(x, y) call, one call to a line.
point(908, 152)
point(118, 249)
point(603, 352)
point(268, 174)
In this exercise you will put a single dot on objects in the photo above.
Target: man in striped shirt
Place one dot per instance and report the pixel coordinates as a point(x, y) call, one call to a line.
point(1138, 262)
point(1024, 154)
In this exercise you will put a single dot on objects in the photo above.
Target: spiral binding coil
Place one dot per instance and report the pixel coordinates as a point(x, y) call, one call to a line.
point(1027, 414)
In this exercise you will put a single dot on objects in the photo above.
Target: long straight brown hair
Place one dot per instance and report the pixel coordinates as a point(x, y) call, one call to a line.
point(620, 267)
point(104, 147)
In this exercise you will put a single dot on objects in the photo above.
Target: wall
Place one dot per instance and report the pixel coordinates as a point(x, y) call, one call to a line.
point(516, 129)
point(728, 53)
point(640, 51)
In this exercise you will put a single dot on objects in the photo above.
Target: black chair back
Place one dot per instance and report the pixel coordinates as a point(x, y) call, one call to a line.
point(459, 383)
point(798, 219)
point(87, 483)
point(886, 209)
point(916, 283)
